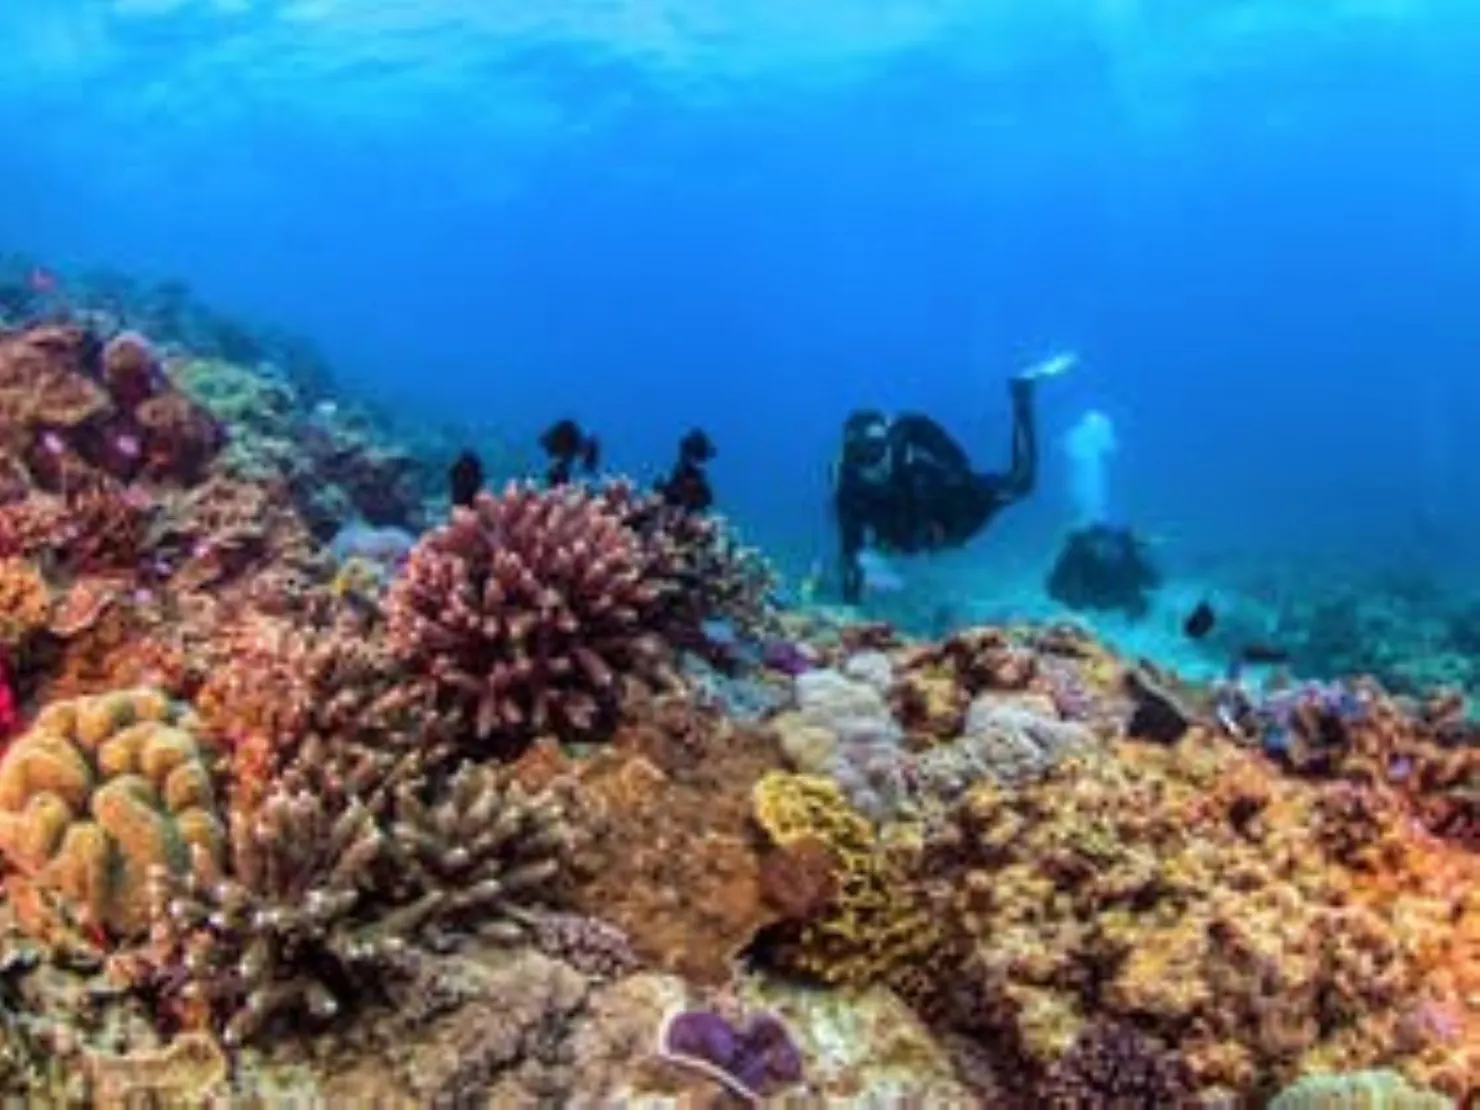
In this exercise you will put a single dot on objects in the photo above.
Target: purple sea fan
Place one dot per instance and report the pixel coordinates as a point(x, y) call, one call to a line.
point(752, 1062)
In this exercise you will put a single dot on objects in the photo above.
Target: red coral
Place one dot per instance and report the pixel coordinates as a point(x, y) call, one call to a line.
point(529, 610)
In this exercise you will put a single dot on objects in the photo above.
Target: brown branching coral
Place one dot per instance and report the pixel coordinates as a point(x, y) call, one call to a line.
point(333, 878)
point(99, 793)
point(279, 686)
point(285, 933)
point(477, 852)
point(708, 572)
point(529, 612)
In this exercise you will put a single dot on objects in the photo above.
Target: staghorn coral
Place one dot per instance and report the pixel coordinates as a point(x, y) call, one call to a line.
point(331, 880)
point(99, 793)
point(1179, 892)
point(279, 686)
point(875, 928)
point(286, 934)
point(709, 573)
point(478, 853)
point(529, 612)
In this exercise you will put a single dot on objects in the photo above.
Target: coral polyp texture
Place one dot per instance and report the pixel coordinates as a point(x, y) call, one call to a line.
point(530, 611)
point(1187, 895)
point(97, 795)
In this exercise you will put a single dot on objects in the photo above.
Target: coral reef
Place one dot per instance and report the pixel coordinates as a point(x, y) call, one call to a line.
point(551, 804)
point(529, 611)
point(327, 888)
point(664, 846)
point(97, 795)
point(1178, 892)
point(875, 929)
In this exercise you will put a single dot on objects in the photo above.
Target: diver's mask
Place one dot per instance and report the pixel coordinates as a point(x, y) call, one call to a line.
point(866, 447)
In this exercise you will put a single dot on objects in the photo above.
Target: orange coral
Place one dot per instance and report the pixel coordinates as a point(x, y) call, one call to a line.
point(25, 601)
point(1180, 890)
point(666, 850)
point(42, 383)
point(99, 792)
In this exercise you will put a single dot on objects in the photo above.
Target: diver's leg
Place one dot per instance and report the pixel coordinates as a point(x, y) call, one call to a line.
point(1022, 473)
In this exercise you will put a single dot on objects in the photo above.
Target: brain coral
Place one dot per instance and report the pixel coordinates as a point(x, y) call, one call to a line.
point(99, 792)
point(529, 610)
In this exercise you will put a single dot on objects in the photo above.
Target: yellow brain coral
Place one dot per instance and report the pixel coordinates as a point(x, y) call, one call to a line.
point(876, 928)
point(97, 793)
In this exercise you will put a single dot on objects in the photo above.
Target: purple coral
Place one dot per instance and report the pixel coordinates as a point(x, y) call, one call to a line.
point(753, 1061)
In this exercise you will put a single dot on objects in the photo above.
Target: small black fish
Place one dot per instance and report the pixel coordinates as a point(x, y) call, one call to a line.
point(567, 444)
point(696, 447)
point(1259, 654)
point(687, 488)
point(1200, 621)
point(465, 478)
point(562, 439)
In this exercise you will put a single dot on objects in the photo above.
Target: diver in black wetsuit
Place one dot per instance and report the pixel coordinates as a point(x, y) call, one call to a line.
point(904, 485)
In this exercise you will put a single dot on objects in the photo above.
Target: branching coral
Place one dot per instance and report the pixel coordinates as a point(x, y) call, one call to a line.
point(471, 856)
point(100, 792)
point(286, 932)
point(708, 573)
point(529, 612)
point(279, 686)
point(331, 880)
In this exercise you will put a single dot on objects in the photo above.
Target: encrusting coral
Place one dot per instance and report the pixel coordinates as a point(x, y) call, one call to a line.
point(98, 794)
point(1178, 891)
point(874, 928)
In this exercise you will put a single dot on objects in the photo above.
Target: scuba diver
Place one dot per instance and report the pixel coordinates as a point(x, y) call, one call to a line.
point(904, 485)
point(1104, 567)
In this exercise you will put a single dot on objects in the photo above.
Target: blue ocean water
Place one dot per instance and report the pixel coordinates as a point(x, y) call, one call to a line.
point(1258, 223)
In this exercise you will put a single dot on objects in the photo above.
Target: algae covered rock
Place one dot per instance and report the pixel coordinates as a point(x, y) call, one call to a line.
point(99, 792)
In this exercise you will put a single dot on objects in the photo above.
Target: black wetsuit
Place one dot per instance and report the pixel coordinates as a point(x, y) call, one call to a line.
point(930, 498)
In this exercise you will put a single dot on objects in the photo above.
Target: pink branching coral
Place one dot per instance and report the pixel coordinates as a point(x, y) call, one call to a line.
point(530, 610)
